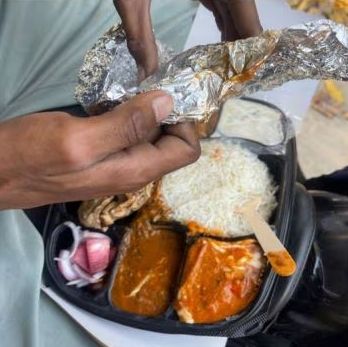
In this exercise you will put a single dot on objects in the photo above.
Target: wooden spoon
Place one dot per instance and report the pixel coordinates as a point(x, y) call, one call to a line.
point(280, 259)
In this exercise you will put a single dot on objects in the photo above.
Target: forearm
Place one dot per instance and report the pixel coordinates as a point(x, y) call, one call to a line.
point(22, 151)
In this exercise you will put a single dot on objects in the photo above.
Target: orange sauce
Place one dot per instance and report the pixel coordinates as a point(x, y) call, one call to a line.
point(155, 209)
point(147, 269)
point(282, 263)
point(207, 127)
point(195, 228)
point(248, 74)
point(220, 279)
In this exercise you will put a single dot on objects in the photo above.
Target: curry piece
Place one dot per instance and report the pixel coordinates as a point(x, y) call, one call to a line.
point(147, 270)
point(282, 263)
point(220, 280)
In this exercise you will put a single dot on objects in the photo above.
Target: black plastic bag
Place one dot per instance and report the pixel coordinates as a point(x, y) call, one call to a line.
point(317, 314)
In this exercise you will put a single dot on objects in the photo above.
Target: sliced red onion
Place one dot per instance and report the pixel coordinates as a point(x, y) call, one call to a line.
point(98, 252)
point(76, 233)
point(85, 276)
point(88, 257)
point(99, 275)
point(65, 266)
point(93, 255)
point(91, 234)
point(74, 282)
point(78, 283)
point(82, 283)
point(80, 257)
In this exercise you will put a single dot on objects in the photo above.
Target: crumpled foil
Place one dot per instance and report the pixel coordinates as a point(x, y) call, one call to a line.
point(108, 75)
point(203, 77)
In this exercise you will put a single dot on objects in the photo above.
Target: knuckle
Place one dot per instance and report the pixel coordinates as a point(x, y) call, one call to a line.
point(192, 153)
point(134, 130)
point(135, 45)
point(70, 155)
point(71, 148)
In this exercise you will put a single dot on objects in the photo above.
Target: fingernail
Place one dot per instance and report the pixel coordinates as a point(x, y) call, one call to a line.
point(162, 107)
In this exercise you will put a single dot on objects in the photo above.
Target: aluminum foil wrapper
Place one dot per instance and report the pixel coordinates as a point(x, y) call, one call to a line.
point(203, 77)
point(108, 75)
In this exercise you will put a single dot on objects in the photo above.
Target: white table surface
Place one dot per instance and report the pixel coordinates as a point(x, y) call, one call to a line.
point(294, 97)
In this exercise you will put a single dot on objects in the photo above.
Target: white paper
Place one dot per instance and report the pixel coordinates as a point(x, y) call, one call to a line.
point(116, 335)
point(293, 97)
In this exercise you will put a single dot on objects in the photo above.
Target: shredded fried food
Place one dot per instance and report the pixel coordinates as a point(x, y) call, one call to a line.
point(103, 212)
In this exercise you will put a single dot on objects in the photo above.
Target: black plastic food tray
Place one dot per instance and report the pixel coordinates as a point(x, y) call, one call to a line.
point(283, 168)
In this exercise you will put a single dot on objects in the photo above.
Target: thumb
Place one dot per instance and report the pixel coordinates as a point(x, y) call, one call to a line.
point(128, 124)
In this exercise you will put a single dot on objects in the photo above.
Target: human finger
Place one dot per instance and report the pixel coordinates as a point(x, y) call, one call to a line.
point(130, 123)
point(245, 17)
point(228, 30)
point(136, 19)
point(132, 168)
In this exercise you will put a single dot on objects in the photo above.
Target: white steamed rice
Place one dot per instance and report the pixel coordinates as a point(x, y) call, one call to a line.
point(211, 191)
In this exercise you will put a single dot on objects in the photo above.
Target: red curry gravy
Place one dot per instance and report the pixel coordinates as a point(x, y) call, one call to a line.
point(220, 279)
point(147, 270)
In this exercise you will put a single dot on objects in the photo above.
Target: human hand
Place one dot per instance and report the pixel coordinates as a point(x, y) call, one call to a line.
point(136, 20)
point(236, 19)
point(55, 157)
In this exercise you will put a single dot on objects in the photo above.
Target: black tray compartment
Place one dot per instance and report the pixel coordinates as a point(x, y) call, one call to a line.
point(283, 169)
